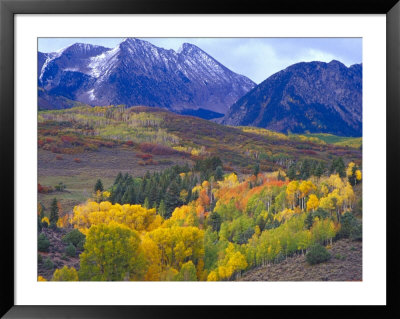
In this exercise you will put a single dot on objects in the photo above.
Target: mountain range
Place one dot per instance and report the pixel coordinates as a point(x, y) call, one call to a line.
point(137, 72)
point(315, 97)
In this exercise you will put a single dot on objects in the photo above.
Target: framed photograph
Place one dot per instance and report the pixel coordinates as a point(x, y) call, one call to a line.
point(160, 154)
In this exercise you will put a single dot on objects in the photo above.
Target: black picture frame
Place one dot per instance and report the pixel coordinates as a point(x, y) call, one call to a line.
point(8, 8)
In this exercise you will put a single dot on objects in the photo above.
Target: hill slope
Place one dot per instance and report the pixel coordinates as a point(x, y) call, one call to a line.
point(138, 73)
point(81, 127)
point(344, 265)
point(314, 97)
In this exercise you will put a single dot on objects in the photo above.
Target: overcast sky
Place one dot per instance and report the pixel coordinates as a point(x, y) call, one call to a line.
point(256, 58)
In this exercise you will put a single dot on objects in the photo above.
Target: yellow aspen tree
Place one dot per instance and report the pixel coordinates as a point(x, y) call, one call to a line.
point(312, 203)
point(349, 170)
point(291, 192)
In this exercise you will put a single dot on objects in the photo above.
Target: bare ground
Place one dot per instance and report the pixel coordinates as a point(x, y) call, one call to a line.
point(344, 265)
point(80, 178)
point(56, 253)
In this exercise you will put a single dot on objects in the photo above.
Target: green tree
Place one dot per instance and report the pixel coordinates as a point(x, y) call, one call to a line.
point(162, 210)
point(317, 254)
point(320, 169)
point(70, 250)
point(98, 186)
point(172, 199)
point(54, 212)
point(43, 243)
point(187, 272)
point(215, 220)
point(146, 203)
point(308, 222)
point(112, 253)
point(219, 173)
point(256, 169)
point(75, 237)
point(292, 171)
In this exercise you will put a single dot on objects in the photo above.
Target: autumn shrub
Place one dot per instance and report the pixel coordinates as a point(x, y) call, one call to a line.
point(129, 143)
point(70, 250)
point(65, 274)
point(144, 156)
point(317, 254)
point(77, 160)
point(43, 243)
point(59, 157)
point(67, 139)
point(44, 189)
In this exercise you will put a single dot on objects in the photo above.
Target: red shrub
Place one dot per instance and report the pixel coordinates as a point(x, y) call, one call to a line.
point(44, 189)
point(107, 144)
point(144, 156)
point(49, 140)
point(68, 139)
point(129, 143)
point(59, 157)
point(40, 143)
point(77, 160)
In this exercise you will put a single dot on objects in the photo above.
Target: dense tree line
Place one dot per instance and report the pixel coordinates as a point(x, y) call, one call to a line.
point(208, 230)
point(164, 190)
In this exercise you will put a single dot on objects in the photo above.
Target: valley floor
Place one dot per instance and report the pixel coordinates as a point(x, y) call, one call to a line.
point(344, 265)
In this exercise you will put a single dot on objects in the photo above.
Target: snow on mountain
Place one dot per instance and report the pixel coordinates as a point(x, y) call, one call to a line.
point(137, 72)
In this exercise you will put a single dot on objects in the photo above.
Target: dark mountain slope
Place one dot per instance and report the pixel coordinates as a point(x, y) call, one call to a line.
point(305, 97)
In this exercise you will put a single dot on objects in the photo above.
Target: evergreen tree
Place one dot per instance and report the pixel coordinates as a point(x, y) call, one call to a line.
point(172, 199)
point(320, 169)
point(308, 222)
point(340, 167)
point(146, 203)
point(118, 178)
point(98, 186)
point(305, 169)
point(129, 196)
point(256, 169)
point(292, 171)
point(219, 174)
point(162, 210)
point(215, 221)
point(54, 212)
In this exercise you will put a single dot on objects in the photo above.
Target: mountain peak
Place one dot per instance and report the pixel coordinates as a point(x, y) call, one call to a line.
point(136, 72)
point(336, 63)
point(83, 48)
point(309, 96)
